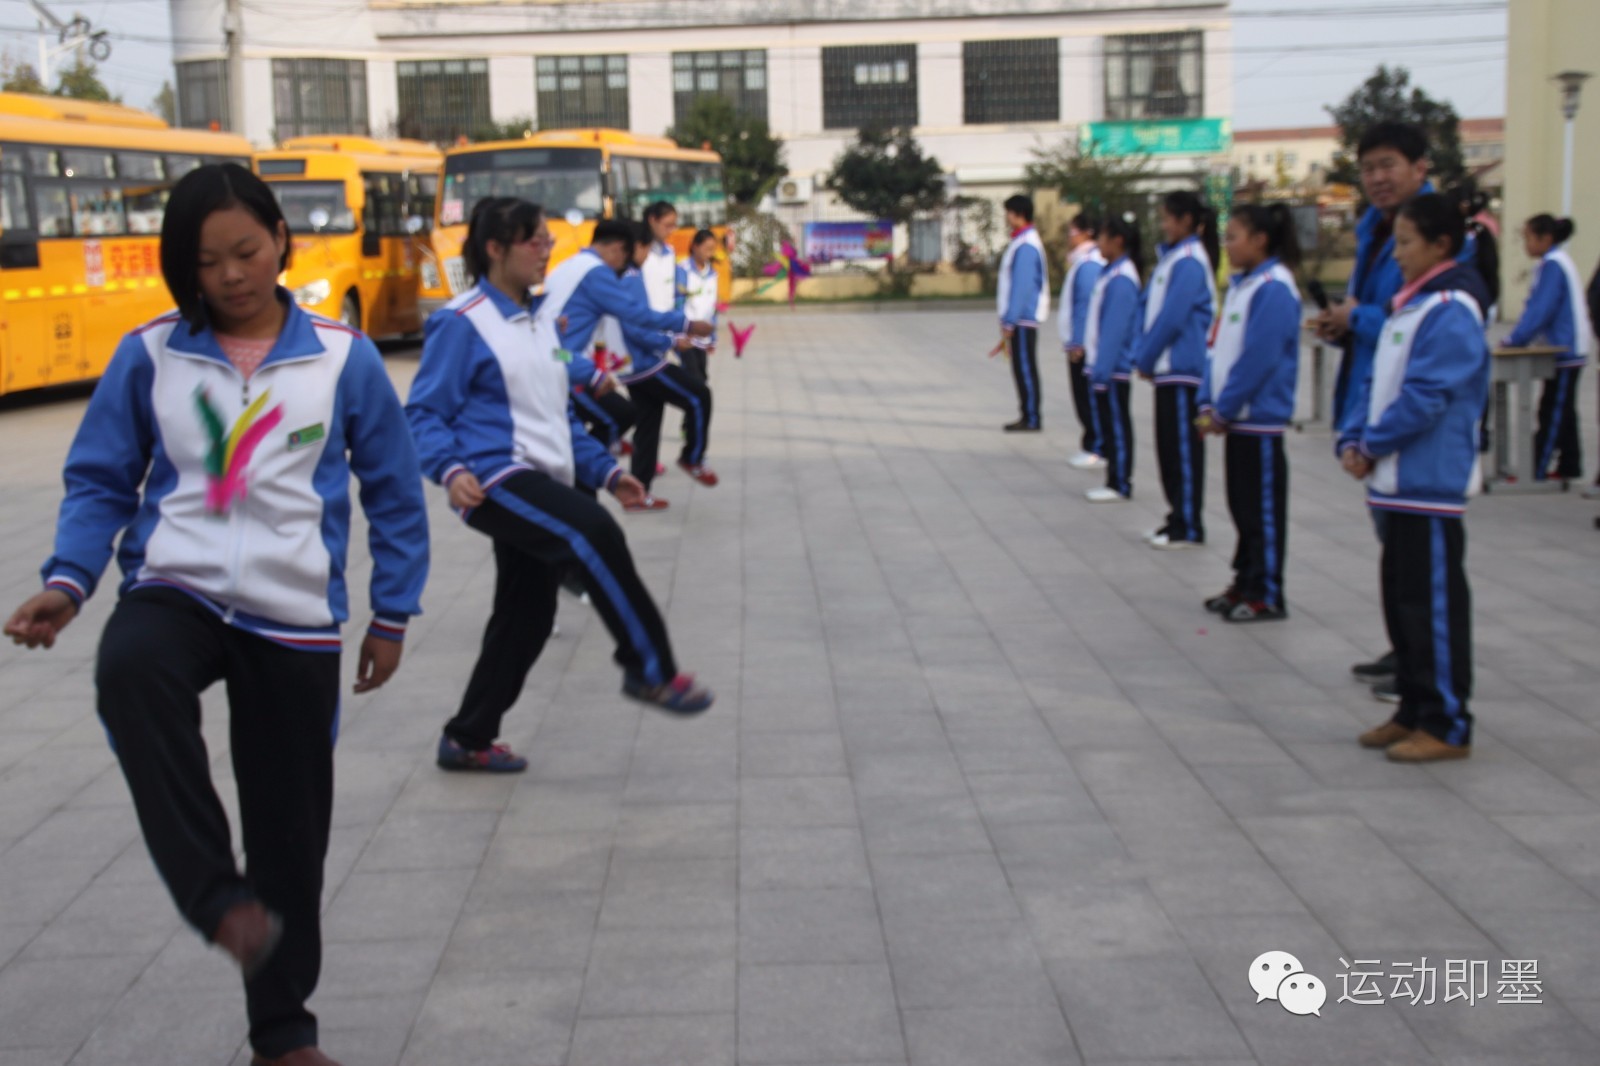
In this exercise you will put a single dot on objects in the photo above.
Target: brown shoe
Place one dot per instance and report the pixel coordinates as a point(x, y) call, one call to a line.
point(1390, 732)
point(1425, 747)
point(250, 933)
point(300, 1056)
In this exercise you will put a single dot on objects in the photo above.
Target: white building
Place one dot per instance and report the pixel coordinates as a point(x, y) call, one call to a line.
point(981, 81)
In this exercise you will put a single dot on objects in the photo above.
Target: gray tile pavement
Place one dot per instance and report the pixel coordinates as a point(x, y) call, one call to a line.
point(984, 785)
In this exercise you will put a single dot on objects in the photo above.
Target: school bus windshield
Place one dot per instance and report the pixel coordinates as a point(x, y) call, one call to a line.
point(561, 180)
point(301, 199)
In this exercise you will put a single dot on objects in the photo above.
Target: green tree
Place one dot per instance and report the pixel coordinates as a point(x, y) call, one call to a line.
point(166, 104)
point(81, 81)
point(511, 130)
point(752, 158)
point(19, 77)
point(1389, 96)
point(1082, 173)
point(886, 175)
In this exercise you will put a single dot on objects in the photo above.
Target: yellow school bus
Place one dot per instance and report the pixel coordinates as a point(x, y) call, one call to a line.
point(82, 189)
point(578, 177)
point(359, 210)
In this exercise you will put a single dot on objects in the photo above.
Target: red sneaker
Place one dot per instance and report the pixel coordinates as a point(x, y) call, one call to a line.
point(703, 474)
point(625, 447)
point(650, 505)
point(661, 468)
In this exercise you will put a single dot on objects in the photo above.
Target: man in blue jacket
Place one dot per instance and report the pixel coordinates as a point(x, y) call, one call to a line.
point(1393, 161)
point(1023, 299)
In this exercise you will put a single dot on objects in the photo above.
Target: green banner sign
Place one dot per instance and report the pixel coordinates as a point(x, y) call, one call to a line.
point(1189, 136)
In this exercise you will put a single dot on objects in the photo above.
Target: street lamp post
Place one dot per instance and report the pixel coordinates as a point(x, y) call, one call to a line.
point(1571, 82)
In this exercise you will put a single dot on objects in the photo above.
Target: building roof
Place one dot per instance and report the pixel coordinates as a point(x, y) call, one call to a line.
point(1480, 128)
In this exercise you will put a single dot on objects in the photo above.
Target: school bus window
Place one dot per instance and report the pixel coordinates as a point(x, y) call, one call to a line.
point(46, 163)
point(421, 192)
point(14, 213)
point(381, 215)
point(54, 209)
point(300, 198)
point(559, 179)
point(145, 204)
point(87, 163)
point(140, 166)
point(179, 165)
point(97, 211)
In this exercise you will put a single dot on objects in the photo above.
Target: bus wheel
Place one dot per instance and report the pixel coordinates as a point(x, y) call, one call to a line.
point(350, 311)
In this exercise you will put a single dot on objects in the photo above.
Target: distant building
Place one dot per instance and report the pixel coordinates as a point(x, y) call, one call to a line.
point(981, 81)
point(1302, 156)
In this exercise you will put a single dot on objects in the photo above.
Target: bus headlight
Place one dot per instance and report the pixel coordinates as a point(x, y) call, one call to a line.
point(313, 293)
point(430, 274)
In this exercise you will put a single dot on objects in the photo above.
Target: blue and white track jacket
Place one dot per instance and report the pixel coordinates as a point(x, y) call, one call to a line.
point(1556, 312)
point(1179, 304)
point(1113, 327)
point(1254, 362)
point(172, 421)
point(492, 397)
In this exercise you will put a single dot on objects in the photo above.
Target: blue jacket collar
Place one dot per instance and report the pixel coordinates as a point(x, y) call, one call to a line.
point(507, 307)
point(1459, 278)
point(296, 340)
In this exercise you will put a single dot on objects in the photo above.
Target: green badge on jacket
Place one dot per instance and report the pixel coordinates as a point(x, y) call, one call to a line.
point(562, 355)
point(304, 438)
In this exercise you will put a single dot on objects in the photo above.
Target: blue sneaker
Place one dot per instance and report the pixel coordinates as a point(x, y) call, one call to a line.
point(495, 759)
point(679, 696)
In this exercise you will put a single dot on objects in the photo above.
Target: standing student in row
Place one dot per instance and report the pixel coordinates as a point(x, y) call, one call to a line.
point(218, 449)
point(1180, 302)
point(1248, 397)
point(1023, 299)
point(1084, 264)
point(1555, 315)
point(660, 267)
point(491, 413)
point(656, 383)
point(1417, 449)
point(696, 297)
point(1109, 339)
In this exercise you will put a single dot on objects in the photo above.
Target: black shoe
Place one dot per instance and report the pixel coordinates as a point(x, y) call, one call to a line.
point(1021, 425)
point(1255, 611)
point(1386, 691)
point(1380, 669)
point(1223, 602)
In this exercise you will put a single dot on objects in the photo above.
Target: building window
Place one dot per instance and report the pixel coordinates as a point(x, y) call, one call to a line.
point(203, 94)
point(582, 91)
point(870, 86)
point(442, 99)
point(312, 96)
point(1154, 75)
point(739, 76)
point(1012, 81)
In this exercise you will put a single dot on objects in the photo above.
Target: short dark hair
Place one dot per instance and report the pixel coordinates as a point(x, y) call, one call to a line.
point(1436, 217)
point(1084, 222)
point(1185, 203)
point(659, 209)
point(505, 220)
point(611, 230)
point(1404, 137)
point(701, 236)
point(198, 195)
point(1277, 222)
point(1125, 227)
point(1547, 225)
point(1021, 206)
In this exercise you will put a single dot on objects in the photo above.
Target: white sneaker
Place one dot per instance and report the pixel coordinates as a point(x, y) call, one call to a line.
point(1102, 494)
point(1592, 492)
point(1086, 461)
point(1163, 543)
point(1154, 535)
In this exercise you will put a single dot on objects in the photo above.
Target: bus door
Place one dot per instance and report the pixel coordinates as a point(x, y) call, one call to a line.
point(384, 250)
point(42, 269)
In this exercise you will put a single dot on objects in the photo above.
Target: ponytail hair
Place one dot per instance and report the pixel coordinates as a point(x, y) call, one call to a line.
point(505, 220)
point(1276, 222)
point(1126, 227)
point(1436, 217)
point(1184, 203)
point(1561, 229)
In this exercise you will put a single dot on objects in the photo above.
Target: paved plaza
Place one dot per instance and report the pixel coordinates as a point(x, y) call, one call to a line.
point(984, 785)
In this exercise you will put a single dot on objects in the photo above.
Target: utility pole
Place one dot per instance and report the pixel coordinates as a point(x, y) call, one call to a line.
point(233, 35)
point(72, 36)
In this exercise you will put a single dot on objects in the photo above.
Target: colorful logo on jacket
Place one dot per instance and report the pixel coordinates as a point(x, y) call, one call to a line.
point(230, 450)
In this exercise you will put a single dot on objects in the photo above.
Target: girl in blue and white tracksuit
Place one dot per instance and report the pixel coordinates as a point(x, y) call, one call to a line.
point(1084, 264)
point(695, 286)
point(216, 455)
point(1556, 315)
point(1108, 343)
point(491, 413)
point(1179, 304)
point(1022, 297)
point(1248, 394)
point(1418, 451)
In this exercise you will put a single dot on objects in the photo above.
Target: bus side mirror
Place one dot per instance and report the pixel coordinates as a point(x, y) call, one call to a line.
point(319, 219)
point(414, 224)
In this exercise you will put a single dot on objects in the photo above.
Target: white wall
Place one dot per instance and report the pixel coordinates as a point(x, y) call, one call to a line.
point(650, 92)
point(511, 88)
